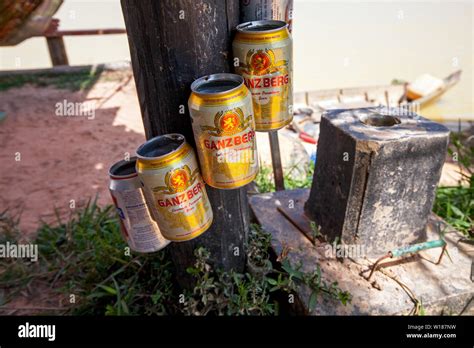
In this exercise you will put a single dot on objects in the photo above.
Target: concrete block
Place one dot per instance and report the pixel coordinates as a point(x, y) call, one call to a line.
point(375, 177)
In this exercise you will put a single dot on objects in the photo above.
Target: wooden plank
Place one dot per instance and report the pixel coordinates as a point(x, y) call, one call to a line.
point(82, 32)
point(300, 221)
point(445, 287)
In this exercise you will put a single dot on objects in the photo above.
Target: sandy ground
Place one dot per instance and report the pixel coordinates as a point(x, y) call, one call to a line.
point(63, 158)
point(67, 158)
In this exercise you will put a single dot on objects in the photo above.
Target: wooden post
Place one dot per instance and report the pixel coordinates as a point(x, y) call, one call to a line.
point(276, 161)
point(57, 50)
point(173, 42)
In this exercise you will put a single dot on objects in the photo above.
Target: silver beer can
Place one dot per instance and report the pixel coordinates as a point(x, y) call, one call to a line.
point(256, 10)
point(139, 230)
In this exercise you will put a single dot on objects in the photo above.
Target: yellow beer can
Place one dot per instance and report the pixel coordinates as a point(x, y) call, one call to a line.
point(173, 187)
point(263, 51)
point(224, 129)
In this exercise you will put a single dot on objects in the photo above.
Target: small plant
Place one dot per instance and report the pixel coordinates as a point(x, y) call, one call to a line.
point(15, 273)
point(462, 152)
point(9, 230)
point(223, 293)
point(315, 231)
point(292, 182)
point(259, 244)
point(456, 204)
point(265, 181)
point(314, 281)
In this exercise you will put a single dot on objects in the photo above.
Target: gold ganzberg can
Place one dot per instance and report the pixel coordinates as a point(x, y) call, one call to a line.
point(173, 187)
point(264, 52)
point(224, 129)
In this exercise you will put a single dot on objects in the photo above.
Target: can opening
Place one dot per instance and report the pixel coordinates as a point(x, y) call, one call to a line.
point(217, 83)
point(378, 120)
point(217, 86)
point(263, 27)
point(124, 168)
point(161, 145)
point(260, 26)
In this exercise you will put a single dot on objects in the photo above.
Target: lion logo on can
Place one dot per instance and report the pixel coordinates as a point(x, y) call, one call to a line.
point(228, 122)
point(260, 62)
point(178, 180)
point(263, 62)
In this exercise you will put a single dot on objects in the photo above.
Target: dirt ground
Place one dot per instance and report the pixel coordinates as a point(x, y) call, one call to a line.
point(48, 160)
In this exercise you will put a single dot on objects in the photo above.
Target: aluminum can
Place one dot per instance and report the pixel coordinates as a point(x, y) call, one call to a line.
point(173, 187)
point(139, 230)
point(224, 130)
point(254, 10)
point(263, 51)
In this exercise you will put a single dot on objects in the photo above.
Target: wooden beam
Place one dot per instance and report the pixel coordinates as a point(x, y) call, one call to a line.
point(82, 32)
point(57, 51)
point(173, 42)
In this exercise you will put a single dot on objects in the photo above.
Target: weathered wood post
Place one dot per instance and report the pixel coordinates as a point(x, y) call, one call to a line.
point(57, 50)
point(173, 42)
point(276, 161)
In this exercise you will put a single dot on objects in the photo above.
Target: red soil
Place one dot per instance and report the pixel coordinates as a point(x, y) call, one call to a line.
point(63, 158)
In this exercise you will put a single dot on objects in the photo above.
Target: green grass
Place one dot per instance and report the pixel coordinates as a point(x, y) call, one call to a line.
point(456, 204)
point(74, 81)
point(90, 260)
point(266, 183)
point(14, 275)
point(85, 259)
point(227, 293)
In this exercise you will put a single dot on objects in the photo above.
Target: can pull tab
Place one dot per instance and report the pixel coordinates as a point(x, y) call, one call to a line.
point(246, 25)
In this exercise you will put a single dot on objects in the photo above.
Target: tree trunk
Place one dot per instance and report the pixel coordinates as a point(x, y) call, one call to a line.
point(173, 42)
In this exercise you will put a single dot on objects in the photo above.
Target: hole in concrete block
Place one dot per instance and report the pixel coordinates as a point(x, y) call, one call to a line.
point(377, 120)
